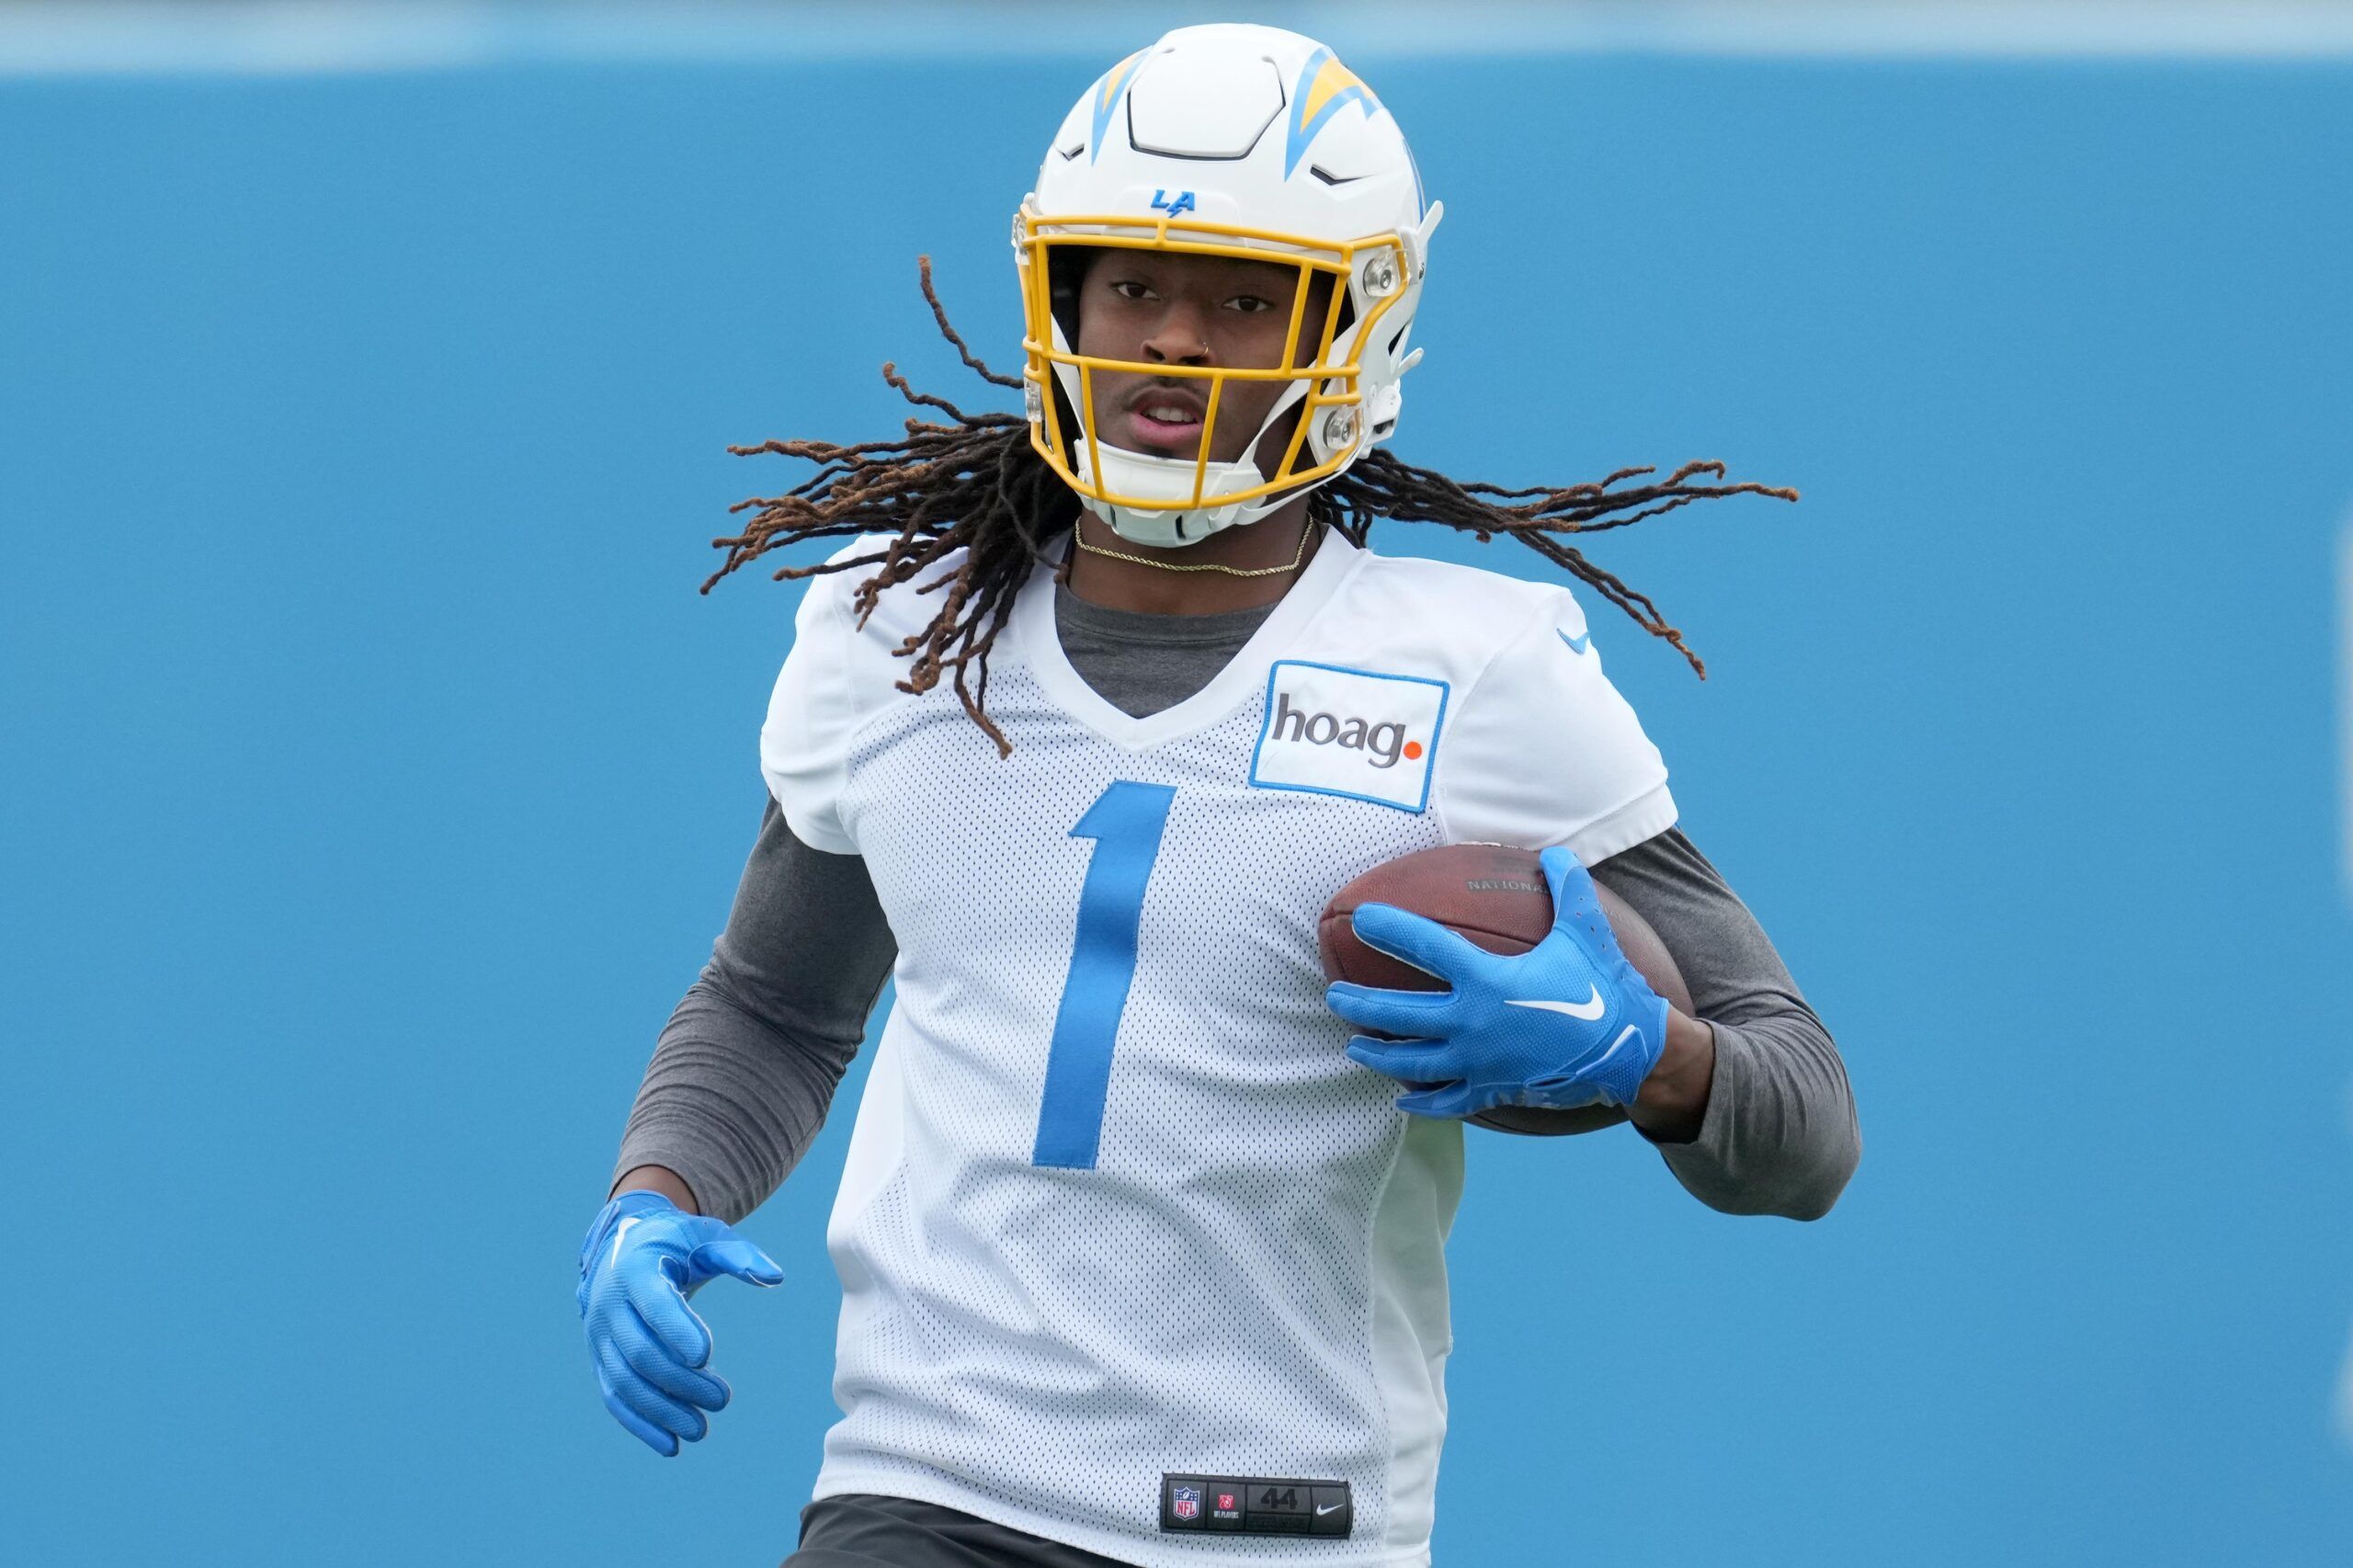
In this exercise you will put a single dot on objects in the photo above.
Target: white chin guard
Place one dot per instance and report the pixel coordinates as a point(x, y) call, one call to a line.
point(1154, 479)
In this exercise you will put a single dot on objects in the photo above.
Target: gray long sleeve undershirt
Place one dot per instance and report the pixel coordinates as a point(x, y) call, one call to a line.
point(745, 1069)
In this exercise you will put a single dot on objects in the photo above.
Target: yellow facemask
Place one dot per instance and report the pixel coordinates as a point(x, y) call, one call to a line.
point(1368, 279)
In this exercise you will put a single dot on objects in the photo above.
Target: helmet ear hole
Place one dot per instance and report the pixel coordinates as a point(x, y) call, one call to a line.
point(1342, 319)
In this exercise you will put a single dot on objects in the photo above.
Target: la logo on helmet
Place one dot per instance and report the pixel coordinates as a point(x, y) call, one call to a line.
point(1184, 203)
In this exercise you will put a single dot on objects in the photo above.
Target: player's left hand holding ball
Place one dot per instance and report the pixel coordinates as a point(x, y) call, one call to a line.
point(644, 1257)
point(1567, 1023)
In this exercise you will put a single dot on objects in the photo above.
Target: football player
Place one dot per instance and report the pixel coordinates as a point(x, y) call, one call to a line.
point(1140, 1243)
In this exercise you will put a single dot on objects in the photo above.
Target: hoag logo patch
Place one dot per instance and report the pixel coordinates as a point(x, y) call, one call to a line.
point(1361, 733)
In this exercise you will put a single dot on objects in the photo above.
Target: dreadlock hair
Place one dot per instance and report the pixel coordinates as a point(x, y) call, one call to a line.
point(973, 483)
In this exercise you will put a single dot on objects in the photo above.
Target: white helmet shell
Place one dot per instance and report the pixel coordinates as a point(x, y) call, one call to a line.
point(1244, 141)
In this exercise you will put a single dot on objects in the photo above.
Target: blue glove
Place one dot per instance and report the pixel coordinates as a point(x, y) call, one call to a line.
point(644, 1257)
point(1567, 1023)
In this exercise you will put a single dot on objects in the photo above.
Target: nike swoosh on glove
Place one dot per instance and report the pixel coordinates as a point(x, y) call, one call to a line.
point(644, 1257)
point(1567, 1023)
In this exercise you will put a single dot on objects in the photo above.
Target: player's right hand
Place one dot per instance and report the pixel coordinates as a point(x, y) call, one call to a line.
point(644, 1257)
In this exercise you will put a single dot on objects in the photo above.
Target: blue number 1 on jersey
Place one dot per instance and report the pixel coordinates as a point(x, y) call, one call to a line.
point(1125, 821)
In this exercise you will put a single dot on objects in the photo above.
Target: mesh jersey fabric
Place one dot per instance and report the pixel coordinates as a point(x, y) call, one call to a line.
point(1249, 1279)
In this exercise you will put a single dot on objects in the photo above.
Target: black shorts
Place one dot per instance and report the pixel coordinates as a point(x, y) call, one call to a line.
point(861, 1529)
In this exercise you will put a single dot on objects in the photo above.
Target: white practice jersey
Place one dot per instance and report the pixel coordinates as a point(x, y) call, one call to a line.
point(1118, 1210)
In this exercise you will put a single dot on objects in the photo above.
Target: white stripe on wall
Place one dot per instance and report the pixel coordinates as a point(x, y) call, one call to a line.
point(302, 37)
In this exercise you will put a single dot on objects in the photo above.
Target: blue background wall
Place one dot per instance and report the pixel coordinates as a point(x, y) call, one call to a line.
point(374, 778)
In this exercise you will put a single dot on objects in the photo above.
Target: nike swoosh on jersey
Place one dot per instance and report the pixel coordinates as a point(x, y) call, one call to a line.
point(1589, 1010)
point(1576, 645)
point(1323, 1508)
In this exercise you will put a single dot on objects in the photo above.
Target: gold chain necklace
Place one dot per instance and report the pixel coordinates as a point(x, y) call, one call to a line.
point(1079, 538)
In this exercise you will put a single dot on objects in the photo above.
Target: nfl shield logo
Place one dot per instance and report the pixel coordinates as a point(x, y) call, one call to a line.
point(1186, 1502)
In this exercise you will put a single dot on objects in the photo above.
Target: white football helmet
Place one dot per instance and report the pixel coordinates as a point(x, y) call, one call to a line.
point(1235, 141)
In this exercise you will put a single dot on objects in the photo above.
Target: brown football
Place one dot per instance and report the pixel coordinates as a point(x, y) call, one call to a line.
point(1495, 896)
